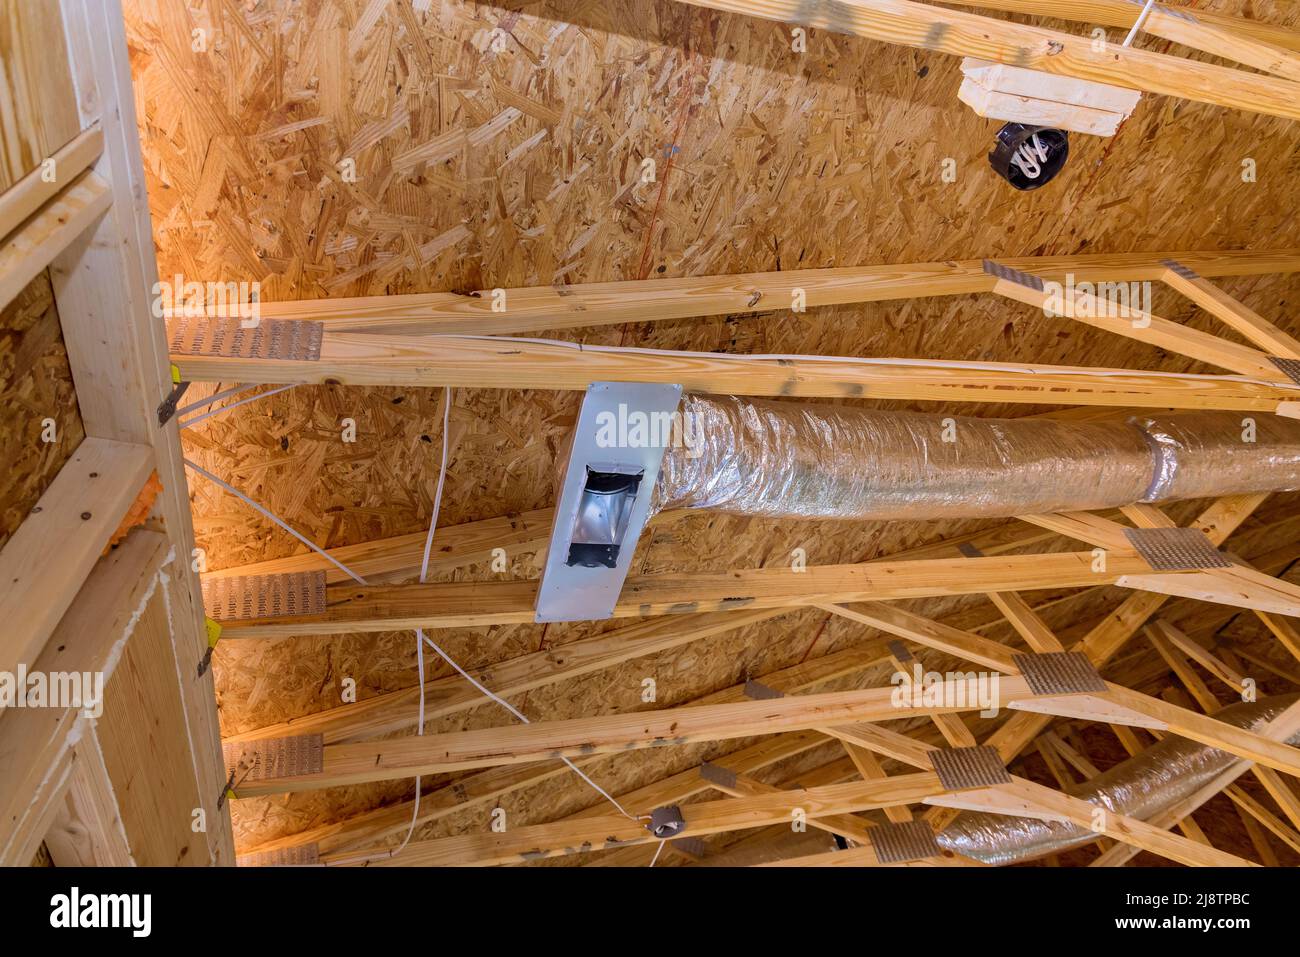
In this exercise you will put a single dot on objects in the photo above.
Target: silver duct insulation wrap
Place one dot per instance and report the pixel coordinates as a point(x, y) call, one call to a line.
point(1140, 787)
point(788, 459)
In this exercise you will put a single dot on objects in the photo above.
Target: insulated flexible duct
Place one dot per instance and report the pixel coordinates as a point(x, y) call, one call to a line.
point(790, 459)
point(1141, 787)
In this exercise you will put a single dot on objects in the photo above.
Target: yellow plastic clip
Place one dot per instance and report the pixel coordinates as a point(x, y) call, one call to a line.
point(176, 374)
point(214, 631)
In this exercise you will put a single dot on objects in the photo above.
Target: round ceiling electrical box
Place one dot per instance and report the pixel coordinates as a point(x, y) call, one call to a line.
point(1028, 157)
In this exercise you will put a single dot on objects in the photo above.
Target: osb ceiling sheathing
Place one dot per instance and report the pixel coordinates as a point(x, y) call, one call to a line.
point(482, 163)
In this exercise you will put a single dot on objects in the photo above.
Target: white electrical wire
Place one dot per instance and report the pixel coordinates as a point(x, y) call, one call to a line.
point(424, 572)
point(275, 518)
point(419, 649)
point(1142, 18)
point(226, 408)
point(523, 718)
point(215, 397)
point(415, 808)
point(419, 632)
point(658, 851)
point(421, 637)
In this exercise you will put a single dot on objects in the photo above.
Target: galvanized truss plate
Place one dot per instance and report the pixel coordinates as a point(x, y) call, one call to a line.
point(304, 855)
point(243, 597)
point(690, 846)
point(1288, 367)
point(1013, 275)
point(899, 843)
point(233, 338)
point(1060, 672)
point(1176, 549)
point(1179, 268)
point(761, 692)
point(900, 651)
point(717, 774)
point(252, 761)
point(960, 769)
point(610, 410)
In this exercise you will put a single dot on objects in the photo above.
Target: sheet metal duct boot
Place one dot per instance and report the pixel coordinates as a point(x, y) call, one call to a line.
point(614, 458)
point(604, 512)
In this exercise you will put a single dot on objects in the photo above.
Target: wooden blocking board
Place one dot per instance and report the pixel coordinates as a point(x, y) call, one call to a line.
point(1012, 93)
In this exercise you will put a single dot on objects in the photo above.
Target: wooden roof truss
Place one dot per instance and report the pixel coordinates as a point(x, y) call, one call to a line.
point(425, 340)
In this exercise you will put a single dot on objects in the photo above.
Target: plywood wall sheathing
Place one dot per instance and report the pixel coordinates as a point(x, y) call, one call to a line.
point(37, 402)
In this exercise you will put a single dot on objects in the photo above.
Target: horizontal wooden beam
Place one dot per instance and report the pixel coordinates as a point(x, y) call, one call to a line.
point(1121, 13)
point(357, 358)
point(533, 309)
point(1261, 45)
point(539, 841)
point(937, 29)
point(399, 710)
point(475, 789)
point(458, 546)
point(432, 754)
point(399, 557)
point(354, 608)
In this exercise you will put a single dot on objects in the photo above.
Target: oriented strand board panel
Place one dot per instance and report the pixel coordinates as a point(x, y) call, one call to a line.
point(37, 402)
point(146, 748)
point(38, 107)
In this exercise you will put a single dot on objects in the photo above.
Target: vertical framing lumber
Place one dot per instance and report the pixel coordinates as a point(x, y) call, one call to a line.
point(87, 829)
point(104, 285)
point(37, 744)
